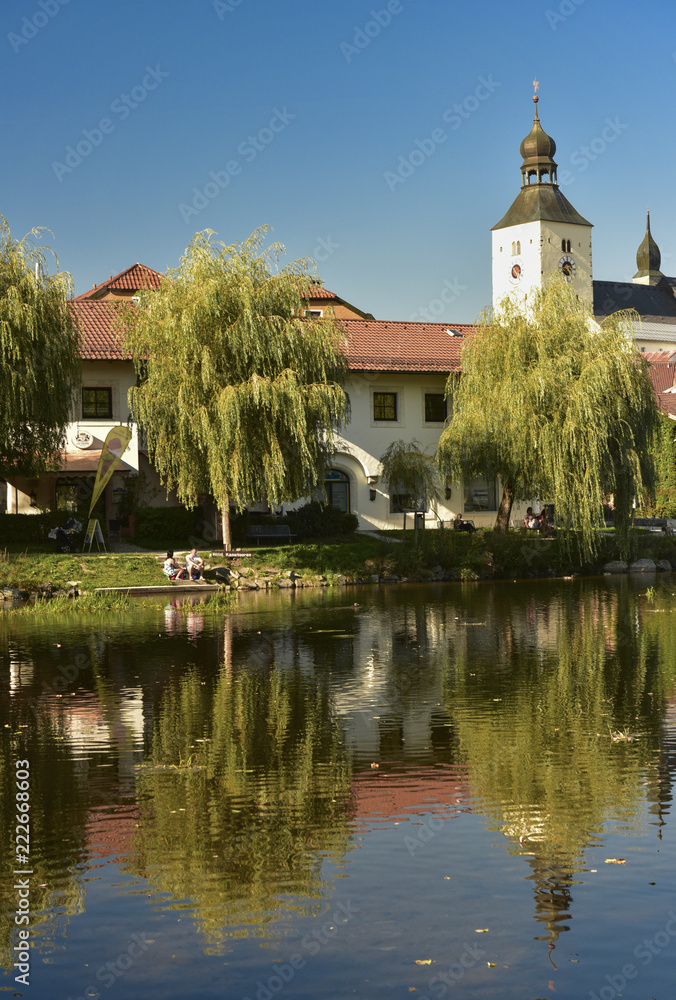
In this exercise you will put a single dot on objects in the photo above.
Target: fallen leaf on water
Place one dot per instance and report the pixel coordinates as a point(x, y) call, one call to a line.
point(481, 930)
point(615, 861)
point(423, 961)
point(491, 965)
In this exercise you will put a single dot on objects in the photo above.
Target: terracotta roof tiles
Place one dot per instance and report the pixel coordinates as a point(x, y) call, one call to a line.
point(372, 345)
point(667, 403)
point(98, 339)
point(401, 346)
point(130, 280)
point(662, 376)
point(319, 292)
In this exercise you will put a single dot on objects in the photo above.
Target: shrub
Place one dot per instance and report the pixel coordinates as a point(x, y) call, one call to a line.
point(317, 520)
point(28, 528)
point(166, 527)
point(313, 520)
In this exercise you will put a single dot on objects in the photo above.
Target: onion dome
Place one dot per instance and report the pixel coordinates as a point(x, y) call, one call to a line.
point(537, 150)
point(648, 257)
point(540, 197)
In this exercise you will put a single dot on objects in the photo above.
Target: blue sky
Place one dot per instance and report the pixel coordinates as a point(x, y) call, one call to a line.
point(381, 138)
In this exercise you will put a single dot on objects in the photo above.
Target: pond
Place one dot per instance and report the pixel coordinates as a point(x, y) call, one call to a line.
point(431, 790)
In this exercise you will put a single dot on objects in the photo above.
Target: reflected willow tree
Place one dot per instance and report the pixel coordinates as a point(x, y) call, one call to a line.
point(248, 790)
point(566, 738)
point(58, 815)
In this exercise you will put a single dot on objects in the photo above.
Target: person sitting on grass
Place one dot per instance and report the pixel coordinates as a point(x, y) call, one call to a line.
point(171, 568)
point(194, 564)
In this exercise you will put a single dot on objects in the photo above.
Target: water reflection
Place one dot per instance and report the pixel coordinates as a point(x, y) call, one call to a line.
point(230, 764)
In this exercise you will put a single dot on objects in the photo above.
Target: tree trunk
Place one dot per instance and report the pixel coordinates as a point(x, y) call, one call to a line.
point(505, 508)
point(227, 536)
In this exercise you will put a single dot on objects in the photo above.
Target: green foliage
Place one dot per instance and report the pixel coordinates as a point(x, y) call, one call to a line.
point(556, 406)
point(29, 528)
point(39, 361)
point(410, 474)
point(318, 520)
point(30, 570)
point(166, 527)
point(312, 520)
point(138, 492)
point(87, 604)
point(239, 393)
point(663, 504)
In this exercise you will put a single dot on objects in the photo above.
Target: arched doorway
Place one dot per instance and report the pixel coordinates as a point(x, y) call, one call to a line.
point(337, 489)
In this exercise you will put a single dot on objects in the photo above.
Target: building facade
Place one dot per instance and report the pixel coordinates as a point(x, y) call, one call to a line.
point(398, 370)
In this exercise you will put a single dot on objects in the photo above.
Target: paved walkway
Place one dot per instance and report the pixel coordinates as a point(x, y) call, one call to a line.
point(119, 547)
point(383, 538)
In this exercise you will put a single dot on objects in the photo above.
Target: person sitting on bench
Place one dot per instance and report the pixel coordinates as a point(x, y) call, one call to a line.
point(461, 525)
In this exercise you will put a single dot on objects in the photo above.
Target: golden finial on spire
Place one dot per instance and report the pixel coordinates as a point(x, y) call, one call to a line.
point(536, 84)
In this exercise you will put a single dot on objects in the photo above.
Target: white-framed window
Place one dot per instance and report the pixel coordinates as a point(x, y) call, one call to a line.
point(387, 405)
point(337, 489)
point(480, 494)
point(406, 502)
point(435, 407)
point(97, 402)
point(315, 313)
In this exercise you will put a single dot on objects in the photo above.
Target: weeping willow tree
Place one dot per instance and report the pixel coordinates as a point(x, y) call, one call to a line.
point(411, 477)
point(238, 393)
point(557, 406)
point(39, 361)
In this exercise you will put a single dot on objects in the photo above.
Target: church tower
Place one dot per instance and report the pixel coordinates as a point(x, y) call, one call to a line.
point(648, 260)
point(541, 234)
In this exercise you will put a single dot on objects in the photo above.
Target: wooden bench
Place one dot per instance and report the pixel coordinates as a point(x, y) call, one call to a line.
point(282, 532)
point(464, 525)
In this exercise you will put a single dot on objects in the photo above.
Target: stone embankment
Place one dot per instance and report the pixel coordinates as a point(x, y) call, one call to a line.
point(638, 566)
point(246, 578)
point(45, 592)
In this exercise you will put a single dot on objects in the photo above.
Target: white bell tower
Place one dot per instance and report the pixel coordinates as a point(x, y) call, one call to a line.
point(541, 234)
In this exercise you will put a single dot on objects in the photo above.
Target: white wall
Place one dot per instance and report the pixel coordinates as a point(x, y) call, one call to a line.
point(364, 440)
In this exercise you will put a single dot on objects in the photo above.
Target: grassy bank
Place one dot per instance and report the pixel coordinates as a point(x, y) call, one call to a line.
point(453, 555)
point(445, 555)
point(29, 571)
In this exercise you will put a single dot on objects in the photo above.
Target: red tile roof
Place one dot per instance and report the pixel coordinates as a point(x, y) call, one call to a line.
point(667, 403)
point(319, 292)
point(662, 376)
point(401, 346)
point(131, 280)
point(659, 357)
point(372, 345)
point(94, 321)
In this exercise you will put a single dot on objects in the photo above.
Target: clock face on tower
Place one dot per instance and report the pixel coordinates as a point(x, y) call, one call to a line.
point(516, 270)
point(567, 267)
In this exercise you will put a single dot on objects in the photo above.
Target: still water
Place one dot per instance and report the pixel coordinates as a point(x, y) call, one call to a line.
point(426, 791)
